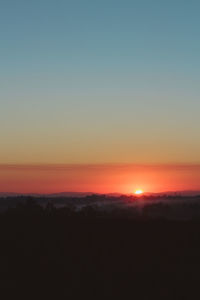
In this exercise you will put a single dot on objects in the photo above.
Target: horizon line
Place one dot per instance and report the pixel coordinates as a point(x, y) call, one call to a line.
point(98, 193)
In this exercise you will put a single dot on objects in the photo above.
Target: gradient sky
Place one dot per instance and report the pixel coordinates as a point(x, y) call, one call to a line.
point(96, 82)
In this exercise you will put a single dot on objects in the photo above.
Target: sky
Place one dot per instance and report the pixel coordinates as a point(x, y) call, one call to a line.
point(98, 83)
point(100, 178)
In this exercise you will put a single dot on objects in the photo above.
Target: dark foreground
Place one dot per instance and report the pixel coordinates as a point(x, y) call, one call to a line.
point(44, 255)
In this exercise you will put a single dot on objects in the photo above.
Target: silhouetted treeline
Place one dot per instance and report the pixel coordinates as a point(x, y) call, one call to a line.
point(96, 254)
point(100, 206)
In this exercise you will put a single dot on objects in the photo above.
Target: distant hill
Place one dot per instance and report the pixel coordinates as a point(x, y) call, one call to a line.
point(176, 193)
point(63, 194)
point(84, 194)
point(70, 194)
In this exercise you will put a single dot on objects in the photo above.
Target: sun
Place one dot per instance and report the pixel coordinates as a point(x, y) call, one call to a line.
point(138, 192)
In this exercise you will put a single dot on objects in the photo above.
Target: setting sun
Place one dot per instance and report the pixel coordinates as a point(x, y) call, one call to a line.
point(138, 192)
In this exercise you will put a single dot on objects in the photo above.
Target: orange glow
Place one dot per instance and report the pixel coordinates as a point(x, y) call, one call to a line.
point(102, 178)
point(138, 192)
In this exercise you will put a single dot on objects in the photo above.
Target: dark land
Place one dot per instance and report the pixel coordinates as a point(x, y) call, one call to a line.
point(125, 248)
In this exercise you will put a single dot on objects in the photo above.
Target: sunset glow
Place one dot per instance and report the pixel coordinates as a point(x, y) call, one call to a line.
point(101, 178)
point(138, 192)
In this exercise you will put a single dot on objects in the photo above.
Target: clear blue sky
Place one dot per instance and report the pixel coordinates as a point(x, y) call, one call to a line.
point(99, 81)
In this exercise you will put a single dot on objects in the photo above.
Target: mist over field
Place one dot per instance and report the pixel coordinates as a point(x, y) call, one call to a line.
point(162, 206)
